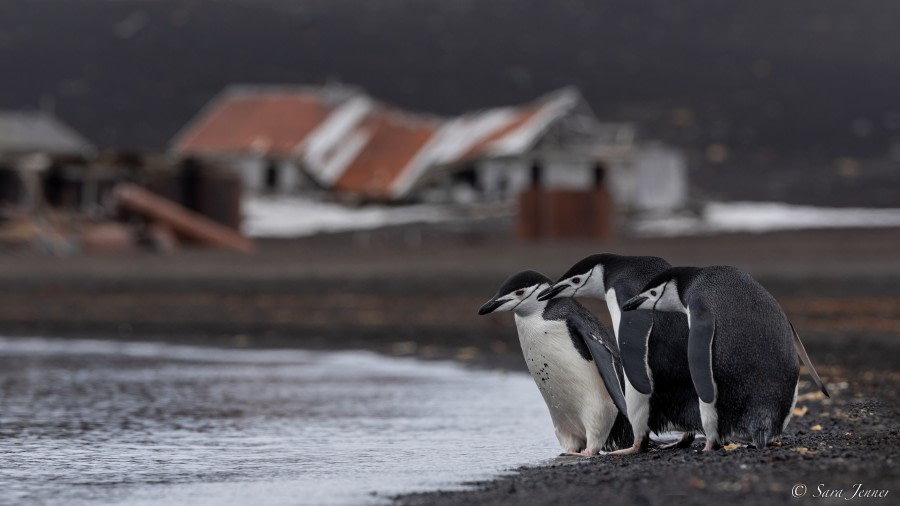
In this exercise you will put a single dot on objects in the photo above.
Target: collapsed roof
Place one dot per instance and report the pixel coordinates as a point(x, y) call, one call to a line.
point(353, 144)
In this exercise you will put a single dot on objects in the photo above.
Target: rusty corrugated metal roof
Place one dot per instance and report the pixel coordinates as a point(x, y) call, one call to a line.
point(270, 122)
point(395, 138)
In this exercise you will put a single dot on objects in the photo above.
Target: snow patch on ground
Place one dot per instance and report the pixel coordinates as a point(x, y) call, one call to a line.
point(297, 217)
point(718, 217)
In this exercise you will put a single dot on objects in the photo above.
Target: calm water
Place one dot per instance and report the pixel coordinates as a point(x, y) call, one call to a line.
point(95, 422)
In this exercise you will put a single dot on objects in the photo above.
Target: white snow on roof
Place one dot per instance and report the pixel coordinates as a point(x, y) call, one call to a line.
point(452, 141)
point(523, 138)
point(458, 136)
point(330, 148)
point(719, 217)
point(298, 217)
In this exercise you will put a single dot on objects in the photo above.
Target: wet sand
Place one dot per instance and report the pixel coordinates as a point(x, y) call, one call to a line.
point(415, 291)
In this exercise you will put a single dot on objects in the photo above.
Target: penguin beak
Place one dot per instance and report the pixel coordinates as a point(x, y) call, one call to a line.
point(633, 303)
point(491, 305)
point(551, 292)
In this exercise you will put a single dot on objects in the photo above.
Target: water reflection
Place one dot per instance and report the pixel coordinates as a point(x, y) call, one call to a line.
point(124, 423)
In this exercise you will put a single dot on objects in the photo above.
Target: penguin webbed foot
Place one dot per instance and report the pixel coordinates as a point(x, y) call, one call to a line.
point(634, 450)
point(640, 445)
point(712, 446)
point(576, 452)
point(571, 452)
point(687, 439)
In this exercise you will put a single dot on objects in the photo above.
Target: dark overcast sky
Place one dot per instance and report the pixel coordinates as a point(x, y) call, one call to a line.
point(815, 76)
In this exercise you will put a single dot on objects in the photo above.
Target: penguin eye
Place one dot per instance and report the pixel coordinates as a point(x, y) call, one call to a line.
point(519, 293)
point(653, 293)
point(576, 280)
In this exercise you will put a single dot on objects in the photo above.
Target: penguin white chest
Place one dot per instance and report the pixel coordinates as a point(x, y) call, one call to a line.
point(571, 386)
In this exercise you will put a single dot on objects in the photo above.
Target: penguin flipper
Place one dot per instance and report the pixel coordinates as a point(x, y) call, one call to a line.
point(801, 351)
point(700, 341)
point(634, 332)
point(606, 360)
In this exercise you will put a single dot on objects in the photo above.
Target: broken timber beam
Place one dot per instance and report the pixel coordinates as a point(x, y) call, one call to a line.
point(181, 220)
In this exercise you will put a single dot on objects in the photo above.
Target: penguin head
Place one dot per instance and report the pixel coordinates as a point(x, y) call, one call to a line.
point(661, 294)
point(584, 278)
point(518, 293)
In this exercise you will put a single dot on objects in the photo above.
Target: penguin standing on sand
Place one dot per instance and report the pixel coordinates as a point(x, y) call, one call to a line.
point(742, 350)
point(653, 346)
point(574, 362)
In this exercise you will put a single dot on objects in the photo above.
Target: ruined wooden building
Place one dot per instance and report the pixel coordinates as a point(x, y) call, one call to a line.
point(337, 139)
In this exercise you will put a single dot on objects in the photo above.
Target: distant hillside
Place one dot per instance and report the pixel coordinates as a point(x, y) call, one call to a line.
point(757, 87)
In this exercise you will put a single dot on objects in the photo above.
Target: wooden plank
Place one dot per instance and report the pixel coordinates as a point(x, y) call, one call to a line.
point(181, 220)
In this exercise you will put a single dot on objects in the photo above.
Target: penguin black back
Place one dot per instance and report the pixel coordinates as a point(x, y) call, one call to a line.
point(742, 354)
point(751, 329)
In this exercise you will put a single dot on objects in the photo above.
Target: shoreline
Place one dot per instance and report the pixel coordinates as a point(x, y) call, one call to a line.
point(331, 293)
point(857, 443)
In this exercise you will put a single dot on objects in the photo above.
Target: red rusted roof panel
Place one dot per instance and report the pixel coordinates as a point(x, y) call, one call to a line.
point(272, 123)
point(395, 138)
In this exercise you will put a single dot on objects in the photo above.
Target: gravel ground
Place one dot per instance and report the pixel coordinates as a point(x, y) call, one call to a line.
point(416, 290)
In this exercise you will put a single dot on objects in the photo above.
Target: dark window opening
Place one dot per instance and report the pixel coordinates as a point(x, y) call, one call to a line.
point(271, 176)
point(536, 170)
point(54, 186)
point(11, 187)
point(468, 176)
point(599, 174)
point(190, 183)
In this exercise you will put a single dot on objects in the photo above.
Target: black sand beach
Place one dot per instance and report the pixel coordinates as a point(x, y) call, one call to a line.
point(415, 291)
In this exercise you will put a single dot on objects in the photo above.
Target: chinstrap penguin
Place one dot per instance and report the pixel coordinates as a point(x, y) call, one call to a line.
point(742, 350)
point(653, 346)
point(574, 362)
